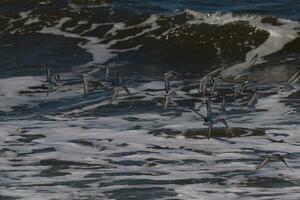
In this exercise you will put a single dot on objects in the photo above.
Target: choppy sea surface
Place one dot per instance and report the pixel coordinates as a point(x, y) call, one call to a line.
point(66, 145)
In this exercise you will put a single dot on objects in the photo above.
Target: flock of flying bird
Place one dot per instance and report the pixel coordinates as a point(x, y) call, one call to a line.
point(207, 88)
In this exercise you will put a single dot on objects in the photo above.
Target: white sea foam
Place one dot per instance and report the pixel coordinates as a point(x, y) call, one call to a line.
point(10, 88)
point(20, 91)
point(59, 134)
point(23, 15)
point(32, 21)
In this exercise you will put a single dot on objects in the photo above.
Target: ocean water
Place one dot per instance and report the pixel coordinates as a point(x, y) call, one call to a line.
point(57, 143)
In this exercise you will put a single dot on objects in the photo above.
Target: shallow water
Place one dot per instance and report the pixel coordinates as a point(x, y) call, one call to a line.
point(65, 145)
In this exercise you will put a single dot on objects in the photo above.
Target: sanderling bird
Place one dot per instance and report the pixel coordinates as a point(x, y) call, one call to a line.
point(52, 80)
point(167, 76)
point(240, 89)
point(208, 80)
point(272, 157)
point(51, 77)
point(90, 83)
point(118, 89)
point(209, 121)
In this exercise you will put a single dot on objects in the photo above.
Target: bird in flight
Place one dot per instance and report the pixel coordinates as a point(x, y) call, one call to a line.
point(272, 157)
point(210, 121)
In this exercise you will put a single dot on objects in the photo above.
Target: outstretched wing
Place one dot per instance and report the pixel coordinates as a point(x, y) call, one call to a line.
point(85, 86)
point(223, 104)
point(213, 83)
point(120, 80)
point(236, 92)
point(48, 72)
point(56, 78)
point(107, 72)
point(170, 74)
point(49, 75)
point(253, 100)
point(282, 160)
point(263, 163)
point(210, 127)
point(167, 85)
point(253, 60)
point(216, 71)
point(200, 89)
point(167, 101)
point(126, 90)
point(223, 121)
point(114, 95)
point(294, 78)
point(48, 89)
point(98, 84)
point(171, 92)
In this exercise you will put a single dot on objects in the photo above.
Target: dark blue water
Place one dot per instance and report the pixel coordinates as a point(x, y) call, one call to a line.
point(288, 9)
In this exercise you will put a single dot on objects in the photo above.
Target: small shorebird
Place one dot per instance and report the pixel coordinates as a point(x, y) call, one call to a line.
point(89, 83)
point(272, 157)
point(167, 76)
point(52, 80)
point(118, 89)
point(209, 121)
point(49, 75)
point(208, 80)
point(240, 89)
